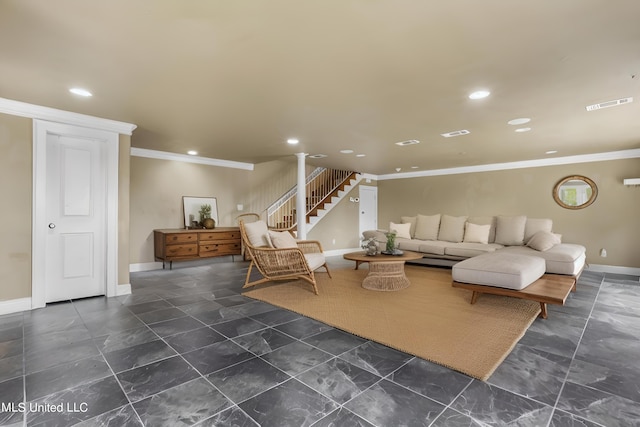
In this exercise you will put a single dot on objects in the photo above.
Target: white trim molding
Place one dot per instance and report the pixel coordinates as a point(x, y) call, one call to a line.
point(568, 160)
point(145, 266)
point(123, 289)
point(15, 305)
point(22, 109)
point(602, 268)
point(165, 155)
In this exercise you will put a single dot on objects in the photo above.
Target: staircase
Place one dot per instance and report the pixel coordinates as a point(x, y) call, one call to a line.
point(324, 189)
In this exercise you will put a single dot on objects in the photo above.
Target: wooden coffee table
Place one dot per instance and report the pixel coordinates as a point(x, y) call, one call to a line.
point(386, 272)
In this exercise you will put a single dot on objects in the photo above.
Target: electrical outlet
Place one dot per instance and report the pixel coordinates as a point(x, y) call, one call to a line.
point(603, 253)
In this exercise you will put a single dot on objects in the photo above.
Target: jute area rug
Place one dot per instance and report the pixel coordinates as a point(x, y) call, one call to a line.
point(429, 319)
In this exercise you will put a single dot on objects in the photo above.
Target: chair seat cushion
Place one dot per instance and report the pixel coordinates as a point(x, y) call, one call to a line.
point(315, 260)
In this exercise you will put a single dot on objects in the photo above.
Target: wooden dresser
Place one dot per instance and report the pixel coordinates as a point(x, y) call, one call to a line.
point(182, 245)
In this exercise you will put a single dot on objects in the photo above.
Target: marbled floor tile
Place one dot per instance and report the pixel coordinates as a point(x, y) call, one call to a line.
point(247, 379)
point(48, 358)
point(388, 404)
point(47, 324)
point(11, 334)
point(216, 316)
point(590, 278)
point(55, 339)
point(124, 339)
point(233, 416)
point(233, 300)
point(303, 328)
point(149, 306)
point(565, 419)
point(342, 418)
point(598, 406)
point(619, 299)
point(175, 326)
point(621, 381)
point(338, 379)
point(79, 403)
point(494, 406)
point(289, 404)
point(11, 394)
point(276, 317)
point(102, 303)
point(623, 279)
point(187, 299)
point(97, 317)
point(137, 298)
point(451, 418)
point(558, 335)
point(264, 341)
point(256, 307)
point(124, 416)
point(376, 358)
point(431, 380)
point(68, 375)
point(192, 340)
point(11, 348)
point(237, 327)
point(202, 306)
point(603, 341)
point(138, 355)
point(11, 367)
point(335, 341)
point(161, 315)
point(214, 294)
point(10, 321)
point(183, 405)
point(113, 324)
point(217, 356)
point(146, 380)
point(296, 357)
point(532, 373)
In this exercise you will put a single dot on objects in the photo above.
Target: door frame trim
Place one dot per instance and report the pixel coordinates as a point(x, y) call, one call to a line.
point(41, 129)
point(373, 190)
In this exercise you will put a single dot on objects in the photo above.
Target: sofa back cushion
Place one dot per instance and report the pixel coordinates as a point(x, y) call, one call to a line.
point(452, 228)
point(510, 230)
point(536, 224)
point(427, 227)
point(410, 220)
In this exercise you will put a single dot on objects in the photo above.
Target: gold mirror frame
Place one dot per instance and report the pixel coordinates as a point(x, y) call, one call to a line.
point(558, 192)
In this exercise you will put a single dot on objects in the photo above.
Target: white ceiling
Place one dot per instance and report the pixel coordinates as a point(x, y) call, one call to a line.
point(234, 79)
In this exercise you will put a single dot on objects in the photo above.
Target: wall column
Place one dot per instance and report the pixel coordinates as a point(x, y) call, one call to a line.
point(301, 198)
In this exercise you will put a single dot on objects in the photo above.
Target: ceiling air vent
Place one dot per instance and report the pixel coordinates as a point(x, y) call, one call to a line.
point(608, 104)
point(409, 142)
point(455, 133)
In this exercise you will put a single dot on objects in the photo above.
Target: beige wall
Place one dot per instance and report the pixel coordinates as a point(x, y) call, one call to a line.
point(123, 208)
point(612, 222)
point(15, 216)
point(157, 187)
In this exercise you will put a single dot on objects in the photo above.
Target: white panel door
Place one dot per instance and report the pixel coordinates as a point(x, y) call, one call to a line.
point(368, 208)
point(76, 218)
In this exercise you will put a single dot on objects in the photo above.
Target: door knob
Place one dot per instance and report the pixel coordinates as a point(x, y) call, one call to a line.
point(52, 225)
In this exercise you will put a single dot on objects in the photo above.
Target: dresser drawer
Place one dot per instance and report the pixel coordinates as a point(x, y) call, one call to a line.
point(220, 235)
point(182, 250)
point(171, 239)
point(215, 249)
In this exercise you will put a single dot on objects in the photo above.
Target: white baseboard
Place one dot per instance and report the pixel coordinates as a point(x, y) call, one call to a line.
point(123, 289)
point(601, 268)
point(15, 305)
point(145, 266)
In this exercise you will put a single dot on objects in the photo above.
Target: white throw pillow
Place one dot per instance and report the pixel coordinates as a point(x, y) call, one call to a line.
point(282, 239)
point(401, 230)
point(510, 230)
point(452, 228)
point(534, 225)
point(410, 220)
point(543, 241)
point(475, 233)
point(257, 233)
point(427, 227)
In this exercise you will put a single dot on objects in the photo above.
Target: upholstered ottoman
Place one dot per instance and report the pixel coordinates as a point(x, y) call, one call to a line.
point(503, 270)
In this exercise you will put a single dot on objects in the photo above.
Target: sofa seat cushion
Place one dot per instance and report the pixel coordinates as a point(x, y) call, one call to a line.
point(469, 250)
point(565, 258)
point(408, 244)
point(504, 270)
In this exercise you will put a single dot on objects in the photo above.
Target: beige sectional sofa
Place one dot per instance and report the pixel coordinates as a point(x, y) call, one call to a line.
point(446, 239)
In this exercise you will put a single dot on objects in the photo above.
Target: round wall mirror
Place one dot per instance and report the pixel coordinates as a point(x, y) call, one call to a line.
point(575, 192)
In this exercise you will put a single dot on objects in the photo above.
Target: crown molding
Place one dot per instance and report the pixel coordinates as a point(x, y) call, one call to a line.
point(23, 109)
point(583, 158)
point(165, 155)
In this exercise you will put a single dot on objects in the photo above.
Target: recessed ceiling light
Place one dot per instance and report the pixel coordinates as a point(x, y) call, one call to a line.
point(479, 94)
point(80, 91)
point(409, 142)
point(192, 152)
point(414, 167)
point(519, 121)
point(520, 130)
point(292, 141)
point(360, 155)
point(346, 151)
point(455, 133)
point(551, 152)
point(317, 156)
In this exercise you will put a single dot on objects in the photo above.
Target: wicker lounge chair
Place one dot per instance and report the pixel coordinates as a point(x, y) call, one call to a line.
point(276, 264)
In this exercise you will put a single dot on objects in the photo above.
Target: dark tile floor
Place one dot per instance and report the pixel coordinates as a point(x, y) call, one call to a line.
point(186, 348)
